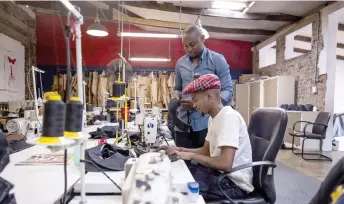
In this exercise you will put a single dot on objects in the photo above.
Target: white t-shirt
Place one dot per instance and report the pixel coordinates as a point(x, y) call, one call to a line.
point(228, 128)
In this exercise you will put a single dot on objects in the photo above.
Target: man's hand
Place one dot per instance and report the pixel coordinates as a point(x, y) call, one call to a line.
point(185, 155)
point(171, 151)
point(187, 103)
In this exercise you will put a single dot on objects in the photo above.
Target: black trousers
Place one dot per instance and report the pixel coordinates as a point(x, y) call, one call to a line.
point(209, 189)
point(190, 139)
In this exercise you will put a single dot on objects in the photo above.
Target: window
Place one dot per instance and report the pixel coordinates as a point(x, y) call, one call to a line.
point(267, 55)
point(298, 42)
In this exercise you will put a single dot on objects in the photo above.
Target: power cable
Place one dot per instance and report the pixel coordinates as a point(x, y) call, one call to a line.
point(100, 170)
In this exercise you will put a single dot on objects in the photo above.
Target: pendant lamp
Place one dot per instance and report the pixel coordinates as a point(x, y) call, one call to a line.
point(97, 29)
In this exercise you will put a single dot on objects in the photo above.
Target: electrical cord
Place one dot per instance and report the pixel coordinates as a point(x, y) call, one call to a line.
point(64, 201)
point(100, 170)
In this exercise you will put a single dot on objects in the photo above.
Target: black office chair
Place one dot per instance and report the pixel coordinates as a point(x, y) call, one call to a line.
point(328, 191)
point(318, 133)
point(266, 130)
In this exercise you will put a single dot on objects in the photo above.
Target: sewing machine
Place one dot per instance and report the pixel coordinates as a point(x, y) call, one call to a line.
point(26, 126)
point(149, 180)
point(149, 124)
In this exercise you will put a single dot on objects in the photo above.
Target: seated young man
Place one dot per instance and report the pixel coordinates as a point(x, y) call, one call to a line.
point(227, 143)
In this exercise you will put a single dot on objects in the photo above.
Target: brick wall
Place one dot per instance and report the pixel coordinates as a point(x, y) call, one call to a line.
point(17, 24)
point(302, 67)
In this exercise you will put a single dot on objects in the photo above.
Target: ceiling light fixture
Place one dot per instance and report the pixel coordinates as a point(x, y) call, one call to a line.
point(248, 7)
point(143, 59)
point(230, 5)
point(97, 29)
point(148, 35)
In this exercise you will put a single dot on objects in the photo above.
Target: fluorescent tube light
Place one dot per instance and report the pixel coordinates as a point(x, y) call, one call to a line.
point(249, 6)
point(236, 6)
point(149, 35)
point(143, 59)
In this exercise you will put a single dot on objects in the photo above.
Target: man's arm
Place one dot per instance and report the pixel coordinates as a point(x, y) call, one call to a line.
point(227, 137)
point(223, 72)
point(178, 80)
point(223, 162)
point(202, 150)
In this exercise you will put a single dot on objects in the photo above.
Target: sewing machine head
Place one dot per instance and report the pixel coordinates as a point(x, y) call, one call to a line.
point(149, 180)
point(150, 125)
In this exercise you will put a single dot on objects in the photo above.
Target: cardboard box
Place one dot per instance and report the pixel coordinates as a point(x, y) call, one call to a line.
point(246, 77)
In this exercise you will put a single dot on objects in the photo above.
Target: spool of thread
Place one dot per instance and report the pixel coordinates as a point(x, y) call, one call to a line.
point(54, 120)
point(118, 89)
point(125, 111)
point(74, 110)
point(132, 104)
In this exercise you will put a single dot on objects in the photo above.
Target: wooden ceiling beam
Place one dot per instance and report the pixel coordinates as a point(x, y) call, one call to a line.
point(309, 39)
point(300, 50)
point(175, 25)
point(303, 38)
point(340, 45)
point(112, 14)
point(86, 9)
point(341, 27)
point(170, 7)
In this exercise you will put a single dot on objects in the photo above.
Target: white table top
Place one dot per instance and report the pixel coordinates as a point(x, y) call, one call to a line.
point(37, 184)
point(45, 184)
point(112, 199)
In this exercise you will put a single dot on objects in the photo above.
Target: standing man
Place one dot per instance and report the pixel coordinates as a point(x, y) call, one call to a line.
point(192, 126)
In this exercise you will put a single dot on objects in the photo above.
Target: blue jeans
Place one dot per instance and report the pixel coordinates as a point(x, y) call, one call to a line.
point(209, 189)
point(191, 139)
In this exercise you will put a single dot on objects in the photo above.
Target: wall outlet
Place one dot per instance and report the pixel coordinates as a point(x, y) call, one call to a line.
point(314, 89)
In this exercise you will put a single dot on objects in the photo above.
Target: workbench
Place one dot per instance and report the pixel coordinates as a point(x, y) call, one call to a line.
point(45, 184)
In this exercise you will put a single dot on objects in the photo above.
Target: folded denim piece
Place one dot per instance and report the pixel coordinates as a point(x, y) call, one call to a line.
point(109, 129)
point(5, 188)
point(9, 199)
point(4, 152)
point(115, 162)
point(105, 132)
point(98, 134)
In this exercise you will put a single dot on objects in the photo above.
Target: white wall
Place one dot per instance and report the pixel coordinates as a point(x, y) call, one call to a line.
point(325, 12)
point(290, 43)
point(338, 106)
point(267, 55)
point(11, 89)
point(330, 63)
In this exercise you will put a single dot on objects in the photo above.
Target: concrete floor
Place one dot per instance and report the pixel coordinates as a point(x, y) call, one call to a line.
point(316, 169)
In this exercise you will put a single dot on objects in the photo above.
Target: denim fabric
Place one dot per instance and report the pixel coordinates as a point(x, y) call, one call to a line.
point(209, 189)
point(191, 139)
point(210, 63)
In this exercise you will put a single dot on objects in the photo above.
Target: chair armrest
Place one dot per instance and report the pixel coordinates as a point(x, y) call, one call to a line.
point(245, 166)
point(309, 123)
point(238, 168)
point(300, 121)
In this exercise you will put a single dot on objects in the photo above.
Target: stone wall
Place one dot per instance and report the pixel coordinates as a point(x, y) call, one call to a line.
point(16, 23)
point(302, 67)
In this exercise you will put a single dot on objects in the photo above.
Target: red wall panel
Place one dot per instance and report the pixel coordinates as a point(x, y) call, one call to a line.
point(99, 51)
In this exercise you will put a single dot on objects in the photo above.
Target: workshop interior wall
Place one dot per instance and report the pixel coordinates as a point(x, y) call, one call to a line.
point(12, 74)
point(302, 67)
point(19, 24)
point(97, 52)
